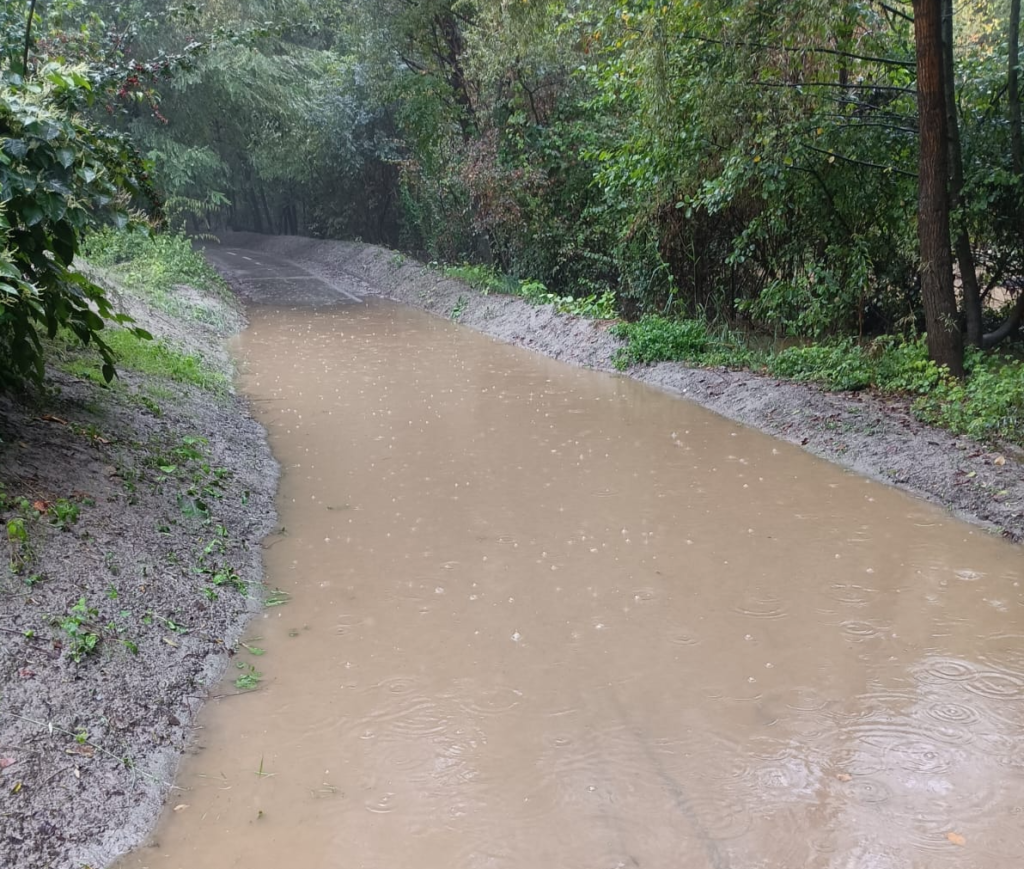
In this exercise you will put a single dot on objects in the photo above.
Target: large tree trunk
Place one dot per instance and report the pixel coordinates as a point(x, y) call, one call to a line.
point(945, 343)
point(1013, 87)
point(961, 238)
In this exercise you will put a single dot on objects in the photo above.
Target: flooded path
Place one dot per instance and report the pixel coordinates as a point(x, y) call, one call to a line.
point(544, 618)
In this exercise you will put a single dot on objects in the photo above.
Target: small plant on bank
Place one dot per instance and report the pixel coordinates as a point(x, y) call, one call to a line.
point(81, 636)
point(63, 513)
point(19, 548)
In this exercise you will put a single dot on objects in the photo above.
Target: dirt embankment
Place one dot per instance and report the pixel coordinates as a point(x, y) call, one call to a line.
point(872, 435)
point(133, 518)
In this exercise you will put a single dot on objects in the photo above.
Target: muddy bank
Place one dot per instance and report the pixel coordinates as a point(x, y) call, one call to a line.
point(874, 436)
point(133, 519)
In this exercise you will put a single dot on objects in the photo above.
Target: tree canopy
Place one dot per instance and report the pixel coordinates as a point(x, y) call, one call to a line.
point(775, 166)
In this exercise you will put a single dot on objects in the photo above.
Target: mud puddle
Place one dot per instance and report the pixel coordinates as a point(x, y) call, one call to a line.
point(543, 617)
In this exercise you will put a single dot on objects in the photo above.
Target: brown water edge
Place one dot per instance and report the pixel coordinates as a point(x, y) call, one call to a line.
point(545, 618)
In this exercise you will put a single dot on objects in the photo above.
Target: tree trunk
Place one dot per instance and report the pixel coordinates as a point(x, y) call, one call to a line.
point(945, 343)
point(1013, 321)
point(961, 239)
point(1013, 87)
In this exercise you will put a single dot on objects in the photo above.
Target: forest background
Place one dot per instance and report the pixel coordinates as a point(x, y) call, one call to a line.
point(829, 191)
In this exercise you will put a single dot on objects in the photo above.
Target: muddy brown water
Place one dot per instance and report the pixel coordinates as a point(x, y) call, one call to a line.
point(542, 617)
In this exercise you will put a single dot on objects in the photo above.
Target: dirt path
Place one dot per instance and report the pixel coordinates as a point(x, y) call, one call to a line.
point(876, 437)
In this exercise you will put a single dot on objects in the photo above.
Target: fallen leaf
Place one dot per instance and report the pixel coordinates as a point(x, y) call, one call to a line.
point(956, 838)
point(16, 788)
point(6, 762)
point(49, 418)
point(181, 807)
point(844, 776)
point(40, 506)
point(999, 460)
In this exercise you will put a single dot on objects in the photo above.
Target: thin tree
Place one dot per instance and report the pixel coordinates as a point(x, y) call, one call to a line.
point(945, 343)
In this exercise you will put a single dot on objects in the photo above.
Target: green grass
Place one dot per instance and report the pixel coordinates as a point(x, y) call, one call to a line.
point(486, 279)
point(654, 339)
point(155, 357)
point(154, 266)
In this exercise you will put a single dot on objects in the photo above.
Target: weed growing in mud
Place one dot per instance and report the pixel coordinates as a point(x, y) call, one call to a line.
point(249, 679)
point(149, 404)
point(486, 279)
point(660, 339)
point(81, 636)
point(18, 544)
point(459, 309)
point(63, 513)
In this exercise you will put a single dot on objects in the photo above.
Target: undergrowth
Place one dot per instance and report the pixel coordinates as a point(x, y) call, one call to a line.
point(155, 266)
point(987, 405)
point(487, 279)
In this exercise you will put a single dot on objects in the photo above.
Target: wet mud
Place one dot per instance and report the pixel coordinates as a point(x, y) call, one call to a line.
point(543, 616)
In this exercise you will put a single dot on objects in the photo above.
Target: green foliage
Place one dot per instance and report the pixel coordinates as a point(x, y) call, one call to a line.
point(81, 636)
point(592, 307)
point(20, 550)
point(155, 266)
point(988, 405)
point(840, 366)
point(154, 357)
point(59, 176)
point(484, 278)
point(888, 365)
point(659, 339)
point(64, 513)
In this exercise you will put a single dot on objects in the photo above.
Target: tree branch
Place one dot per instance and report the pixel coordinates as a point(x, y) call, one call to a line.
point(888, 88)
point(1008, 327)
point(896, 12)
point(866, 163)
point(28, 36)
point(891, 61)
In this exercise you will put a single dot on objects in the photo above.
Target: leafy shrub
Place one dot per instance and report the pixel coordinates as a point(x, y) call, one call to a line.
point(988, 405)
point(843, 365)
point(59, 177)
point(889, 364)
point(904, 366)
point(593, 307)
point(658, 339)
